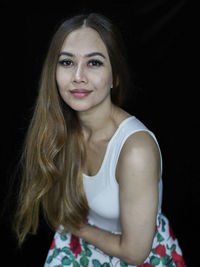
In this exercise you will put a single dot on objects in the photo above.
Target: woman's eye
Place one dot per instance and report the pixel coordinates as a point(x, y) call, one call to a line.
point(95, 63)
point(66, 62)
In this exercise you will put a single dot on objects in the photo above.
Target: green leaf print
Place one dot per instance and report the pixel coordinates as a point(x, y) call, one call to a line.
point(66, 250)
point(63, 237)
point(106, 264)
point(66, 261)
point(56, 252)
point(84, 261)
point(76, 264)
point(88, 252)
point(154, 260)
point(171, 265)
point(166, 260)
point(50, 258)
point(85, 244)
point(173, 247)
point(123, 264)
point(96, 263)
point(163, 225)
point(160, 238)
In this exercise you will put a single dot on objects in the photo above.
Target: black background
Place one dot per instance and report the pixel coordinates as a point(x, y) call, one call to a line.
point(159, 37)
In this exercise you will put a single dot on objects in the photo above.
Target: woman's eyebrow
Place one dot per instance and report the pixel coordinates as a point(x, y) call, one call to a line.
point(66, 54)
point(95, 54)
point(87, 55)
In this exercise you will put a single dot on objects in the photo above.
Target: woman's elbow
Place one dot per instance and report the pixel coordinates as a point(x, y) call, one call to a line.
point(135, 260)
point(135, 256)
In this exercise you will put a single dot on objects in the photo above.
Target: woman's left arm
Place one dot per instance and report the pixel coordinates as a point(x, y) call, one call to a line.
point(138, 172)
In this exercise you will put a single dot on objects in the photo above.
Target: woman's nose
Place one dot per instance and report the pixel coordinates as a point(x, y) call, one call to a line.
point(80, 74)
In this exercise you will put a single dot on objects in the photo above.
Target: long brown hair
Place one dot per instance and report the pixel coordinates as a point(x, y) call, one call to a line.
point(54, 153)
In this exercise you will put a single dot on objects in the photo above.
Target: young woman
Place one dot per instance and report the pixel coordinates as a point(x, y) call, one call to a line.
point(93, 168)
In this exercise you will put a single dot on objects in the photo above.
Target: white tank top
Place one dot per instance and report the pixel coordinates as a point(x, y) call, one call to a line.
point(102, 189)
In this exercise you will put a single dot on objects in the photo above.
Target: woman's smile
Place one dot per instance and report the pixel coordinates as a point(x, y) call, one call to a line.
point(80, 93)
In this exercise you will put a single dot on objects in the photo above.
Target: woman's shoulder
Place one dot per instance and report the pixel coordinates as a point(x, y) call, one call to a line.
point(139, 153)
point(140, 142)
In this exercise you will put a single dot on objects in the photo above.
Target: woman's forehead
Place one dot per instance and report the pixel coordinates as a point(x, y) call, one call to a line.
point(84, 41)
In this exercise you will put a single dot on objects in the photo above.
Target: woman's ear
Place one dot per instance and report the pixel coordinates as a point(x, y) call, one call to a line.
point(117, 81)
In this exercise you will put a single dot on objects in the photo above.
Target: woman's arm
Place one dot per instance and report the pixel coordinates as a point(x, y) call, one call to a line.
point(138, 172)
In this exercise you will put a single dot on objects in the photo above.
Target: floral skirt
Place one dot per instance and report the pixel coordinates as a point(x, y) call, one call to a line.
point(68, 250)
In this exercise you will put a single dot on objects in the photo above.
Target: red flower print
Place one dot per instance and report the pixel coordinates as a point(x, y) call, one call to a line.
point(75, 246)
point(53, 244)
point(171, 233)
point(178, 259)
point(146, 265)
point(160, 250)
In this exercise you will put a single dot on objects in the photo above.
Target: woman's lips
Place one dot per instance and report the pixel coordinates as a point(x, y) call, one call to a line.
point(80, 93)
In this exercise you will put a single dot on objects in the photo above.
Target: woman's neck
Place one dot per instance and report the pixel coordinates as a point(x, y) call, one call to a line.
point(97, 123)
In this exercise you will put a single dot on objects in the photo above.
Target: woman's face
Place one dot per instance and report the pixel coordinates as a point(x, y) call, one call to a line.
point(84, 73)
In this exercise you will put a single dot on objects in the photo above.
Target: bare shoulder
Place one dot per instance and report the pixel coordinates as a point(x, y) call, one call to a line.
point(141, 142)
point(140, 153)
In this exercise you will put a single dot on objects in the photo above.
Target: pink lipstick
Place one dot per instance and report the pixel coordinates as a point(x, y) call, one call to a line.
point(80, 93)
